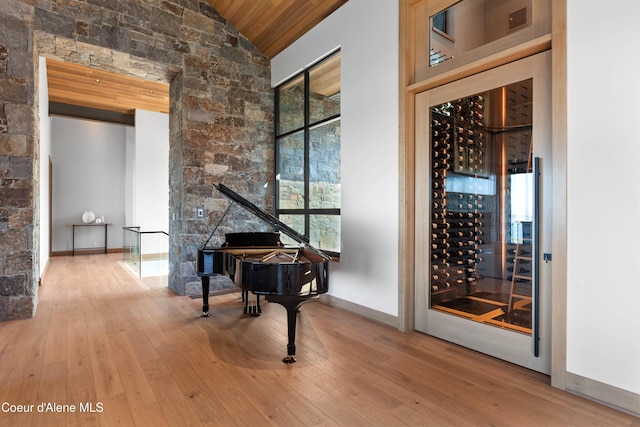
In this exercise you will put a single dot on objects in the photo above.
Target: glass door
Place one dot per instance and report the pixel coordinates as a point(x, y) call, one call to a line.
point(483, 188)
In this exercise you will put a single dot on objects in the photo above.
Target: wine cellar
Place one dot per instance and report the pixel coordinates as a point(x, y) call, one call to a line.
point(458, 147)
point(481, 207)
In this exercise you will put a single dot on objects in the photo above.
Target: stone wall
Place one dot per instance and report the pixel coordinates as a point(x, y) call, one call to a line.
point(18, 145)
point(221, 118)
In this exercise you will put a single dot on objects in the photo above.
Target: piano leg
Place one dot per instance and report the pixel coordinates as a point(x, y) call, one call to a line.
point(292, 304)
point(251, 303)
point(292, 318)
point(205, 296)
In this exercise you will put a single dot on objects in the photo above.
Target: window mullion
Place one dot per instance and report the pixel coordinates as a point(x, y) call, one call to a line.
point(276, 127)
point(307, 115)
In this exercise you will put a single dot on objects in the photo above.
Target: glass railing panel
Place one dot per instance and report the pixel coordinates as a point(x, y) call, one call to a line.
point(131, 248)
point(146, 253)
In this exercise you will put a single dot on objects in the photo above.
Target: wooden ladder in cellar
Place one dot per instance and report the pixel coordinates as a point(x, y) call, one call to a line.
point(516, 276)
point(520, 278)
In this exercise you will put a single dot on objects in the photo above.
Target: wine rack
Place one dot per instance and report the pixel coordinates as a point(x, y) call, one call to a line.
point(457, 148)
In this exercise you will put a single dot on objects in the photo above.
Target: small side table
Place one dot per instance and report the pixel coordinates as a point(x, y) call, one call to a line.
point(73, 235)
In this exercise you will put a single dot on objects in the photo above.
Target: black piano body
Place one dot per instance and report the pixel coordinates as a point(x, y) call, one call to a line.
point(260, 265)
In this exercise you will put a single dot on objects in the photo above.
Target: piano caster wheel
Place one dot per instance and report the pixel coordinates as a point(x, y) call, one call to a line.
point(289, 359)
point(253, 311)
point(205, 314)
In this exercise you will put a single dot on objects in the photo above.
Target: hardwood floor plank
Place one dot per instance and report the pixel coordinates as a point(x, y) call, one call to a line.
point(135, 383)
point(172, 402)
point(117, 412)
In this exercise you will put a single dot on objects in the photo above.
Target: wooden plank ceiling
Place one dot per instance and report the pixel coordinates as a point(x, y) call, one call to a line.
point(83, 86)
point(271, 25)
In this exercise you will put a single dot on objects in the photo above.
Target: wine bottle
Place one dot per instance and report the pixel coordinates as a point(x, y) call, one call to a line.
point(440, 165)
point(466, 252)
point(440, 225)
point(436, 246)
point(441, 144)
point(441, 265)
point(441, 125)
point(463, 224)
point(440, 275)
point(463, 234)
point(440, 134)
point(441, 155)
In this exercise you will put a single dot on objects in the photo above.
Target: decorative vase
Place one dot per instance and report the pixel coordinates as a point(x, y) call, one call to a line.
point(88, 217)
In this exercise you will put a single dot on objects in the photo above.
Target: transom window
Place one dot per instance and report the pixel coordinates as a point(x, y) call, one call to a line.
point(308, 153)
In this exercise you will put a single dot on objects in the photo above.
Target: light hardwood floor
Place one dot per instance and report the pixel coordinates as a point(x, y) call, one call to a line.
point(144, 357)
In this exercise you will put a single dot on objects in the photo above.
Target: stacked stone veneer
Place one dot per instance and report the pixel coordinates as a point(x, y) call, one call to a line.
point(221, 120)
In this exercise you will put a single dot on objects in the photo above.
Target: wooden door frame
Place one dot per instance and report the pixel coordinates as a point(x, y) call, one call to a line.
point(407, 91)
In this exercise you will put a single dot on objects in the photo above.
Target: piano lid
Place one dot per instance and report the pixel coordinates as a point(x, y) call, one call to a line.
point(270, 219)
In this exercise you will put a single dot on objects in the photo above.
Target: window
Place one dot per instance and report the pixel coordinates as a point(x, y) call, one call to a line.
point(440, 21)
point(308, 153)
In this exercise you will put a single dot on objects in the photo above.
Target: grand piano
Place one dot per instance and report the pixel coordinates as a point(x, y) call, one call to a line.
point(261, 265)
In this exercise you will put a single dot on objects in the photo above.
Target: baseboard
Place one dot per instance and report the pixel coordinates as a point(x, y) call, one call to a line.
point(605, 394)
point(87, 252)
point(153, 257)
point(360, 310)
point(44, 273)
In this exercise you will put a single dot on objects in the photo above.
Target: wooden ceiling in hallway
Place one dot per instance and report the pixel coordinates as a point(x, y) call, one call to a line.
point(271, 25)
point(87, 87)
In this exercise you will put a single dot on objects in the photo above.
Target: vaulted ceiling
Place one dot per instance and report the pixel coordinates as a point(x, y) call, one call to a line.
point(271, 25)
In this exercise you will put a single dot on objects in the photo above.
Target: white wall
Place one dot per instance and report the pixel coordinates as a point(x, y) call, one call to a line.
point(88, 174)
point(603, 185)
point(45, 152)
point(150, 178)
point(151, 171)
point(129, 178)
point(366, 31)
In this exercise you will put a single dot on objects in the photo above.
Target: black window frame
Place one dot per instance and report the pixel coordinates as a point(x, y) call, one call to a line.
point(306, 211)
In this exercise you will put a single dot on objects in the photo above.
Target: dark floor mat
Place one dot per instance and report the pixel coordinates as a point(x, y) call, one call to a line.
point(469, 306)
